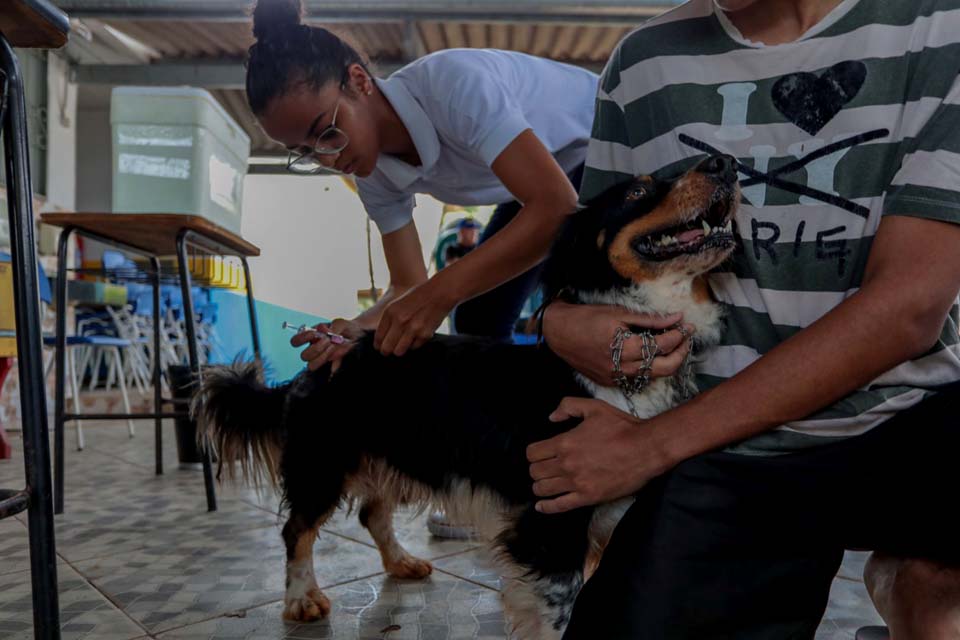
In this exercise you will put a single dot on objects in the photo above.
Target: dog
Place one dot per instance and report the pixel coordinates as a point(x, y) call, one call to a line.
point(388, 431)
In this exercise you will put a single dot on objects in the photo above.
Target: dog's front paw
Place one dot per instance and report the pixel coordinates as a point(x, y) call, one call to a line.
point(312, 605)
point(409, 568)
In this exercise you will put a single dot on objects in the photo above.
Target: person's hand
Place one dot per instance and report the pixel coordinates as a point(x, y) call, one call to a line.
point(581, 334)
point(609, 455)
point(323, 350)
point(411, 320)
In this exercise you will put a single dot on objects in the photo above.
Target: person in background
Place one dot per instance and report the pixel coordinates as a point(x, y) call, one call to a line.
point(468, 234)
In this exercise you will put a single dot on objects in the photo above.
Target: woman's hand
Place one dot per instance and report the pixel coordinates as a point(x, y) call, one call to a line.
point(412, 319)
point(581, 334)
point(322, 349)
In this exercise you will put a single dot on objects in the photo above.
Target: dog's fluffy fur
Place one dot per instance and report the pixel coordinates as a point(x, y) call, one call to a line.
point(448, 425)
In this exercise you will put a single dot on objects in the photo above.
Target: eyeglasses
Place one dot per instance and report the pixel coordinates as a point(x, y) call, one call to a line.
point(329, 142)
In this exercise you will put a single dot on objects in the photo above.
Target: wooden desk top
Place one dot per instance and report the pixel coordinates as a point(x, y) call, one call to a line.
point(155, 233)
point(33, 24)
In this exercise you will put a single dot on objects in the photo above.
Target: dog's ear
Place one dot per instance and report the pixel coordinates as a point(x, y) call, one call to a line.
point(575, 252)
point(578, 257)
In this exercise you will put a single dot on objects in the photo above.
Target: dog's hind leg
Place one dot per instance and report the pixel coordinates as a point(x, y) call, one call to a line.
point(542, 559)
point(377, 516)
point(303, 600)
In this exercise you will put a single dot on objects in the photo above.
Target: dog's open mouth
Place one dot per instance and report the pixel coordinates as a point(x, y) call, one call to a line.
point(712, 228)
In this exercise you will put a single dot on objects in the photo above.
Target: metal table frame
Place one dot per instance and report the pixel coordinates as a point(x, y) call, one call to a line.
point(36, 497)
point(185, 238)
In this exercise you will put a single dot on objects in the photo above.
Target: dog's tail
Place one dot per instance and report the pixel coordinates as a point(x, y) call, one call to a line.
point(243, 420)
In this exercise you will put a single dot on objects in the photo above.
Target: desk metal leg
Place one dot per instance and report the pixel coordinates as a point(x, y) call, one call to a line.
point(185, 285)
point(251, 307)
point(36, 446)
point(60, 370)
point(157, 389)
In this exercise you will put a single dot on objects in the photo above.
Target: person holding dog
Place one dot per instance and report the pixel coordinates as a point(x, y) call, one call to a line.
point(827, 418)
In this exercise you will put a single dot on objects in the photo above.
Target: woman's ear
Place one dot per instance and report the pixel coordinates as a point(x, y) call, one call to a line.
point(359, 81)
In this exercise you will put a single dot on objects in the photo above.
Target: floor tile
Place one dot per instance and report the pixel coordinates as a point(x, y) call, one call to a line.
point(411, 529)
point(84, 612)
point(203, 577)
point(378, 608)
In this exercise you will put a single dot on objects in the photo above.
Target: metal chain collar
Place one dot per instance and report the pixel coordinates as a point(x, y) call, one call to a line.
point(631, 386)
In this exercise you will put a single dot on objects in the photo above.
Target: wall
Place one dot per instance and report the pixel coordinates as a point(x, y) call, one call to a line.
point(61, 135)
point(312, 236)
point(94, 168)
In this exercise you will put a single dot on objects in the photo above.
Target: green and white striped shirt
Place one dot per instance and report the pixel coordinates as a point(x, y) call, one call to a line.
point(858, 119)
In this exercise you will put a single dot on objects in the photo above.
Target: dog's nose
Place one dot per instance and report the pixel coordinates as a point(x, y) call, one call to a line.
point(723, 167)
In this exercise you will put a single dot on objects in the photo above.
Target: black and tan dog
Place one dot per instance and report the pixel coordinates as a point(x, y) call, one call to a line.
point(448, 424)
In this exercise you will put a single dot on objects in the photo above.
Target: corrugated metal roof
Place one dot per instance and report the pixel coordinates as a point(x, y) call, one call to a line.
point(587, 45)
point(159, 41)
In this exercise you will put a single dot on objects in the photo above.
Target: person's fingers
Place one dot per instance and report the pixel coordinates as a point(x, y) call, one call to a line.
point(383, 330)
point(633, 349)
point(552, 487)
point(545, 469)
point(566, 502)
point(404, 343)
point(317, 355)
point(544, 450)
point(662, 366)
point(571, 407)
point(391, 336)
point(668, 365)
point(336, 357)
point(303, 337)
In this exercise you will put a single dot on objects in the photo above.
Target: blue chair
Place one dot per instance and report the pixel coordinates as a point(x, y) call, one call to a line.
point(95, 343)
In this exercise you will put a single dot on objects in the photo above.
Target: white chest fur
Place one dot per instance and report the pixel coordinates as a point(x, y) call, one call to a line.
point(660, 297)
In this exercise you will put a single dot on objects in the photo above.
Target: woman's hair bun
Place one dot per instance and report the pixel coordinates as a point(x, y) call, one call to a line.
point(276, 17)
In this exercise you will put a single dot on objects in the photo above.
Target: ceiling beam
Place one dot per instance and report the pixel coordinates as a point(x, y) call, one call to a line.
point(570, 11)
point(210, 74)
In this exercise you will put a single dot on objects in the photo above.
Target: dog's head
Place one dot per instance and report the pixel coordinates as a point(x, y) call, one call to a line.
point(647, 229)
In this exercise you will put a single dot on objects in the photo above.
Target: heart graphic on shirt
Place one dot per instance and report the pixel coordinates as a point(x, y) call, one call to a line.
point(811, 101)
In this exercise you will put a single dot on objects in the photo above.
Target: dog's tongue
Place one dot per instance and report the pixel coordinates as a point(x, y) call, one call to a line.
point(690, 236)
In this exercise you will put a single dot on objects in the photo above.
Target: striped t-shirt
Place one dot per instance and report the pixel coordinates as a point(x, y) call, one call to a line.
point(858, 119)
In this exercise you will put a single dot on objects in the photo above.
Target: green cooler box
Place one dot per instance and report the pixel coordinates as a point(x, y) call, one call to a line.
point(176, 150)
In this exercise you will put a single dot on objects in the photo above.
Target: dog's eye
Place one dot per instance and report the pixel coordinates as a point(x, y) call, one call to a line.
point(637, 192)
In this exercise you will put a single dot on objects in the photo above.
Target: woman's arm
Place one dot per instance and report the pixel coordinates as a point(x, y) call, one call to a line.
point(404, 256)
point(535, 179)
point(911, 280)
point(405, 262)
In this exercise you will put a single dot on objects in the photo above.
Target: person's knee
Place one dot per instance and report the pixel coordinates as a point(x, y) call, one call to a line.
point(918, 599)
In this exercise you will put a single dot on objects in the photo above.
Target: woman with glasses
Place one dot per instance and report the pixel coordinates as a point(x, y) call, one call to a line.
point(469, 127)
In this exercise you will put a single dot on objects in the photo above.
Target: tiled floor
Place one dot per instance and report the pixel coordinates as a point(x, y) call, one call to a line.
point(140, 557)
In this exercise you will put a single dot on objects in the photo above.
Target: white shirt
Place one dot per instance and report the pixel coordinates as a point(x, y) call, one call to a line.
point(462, 108)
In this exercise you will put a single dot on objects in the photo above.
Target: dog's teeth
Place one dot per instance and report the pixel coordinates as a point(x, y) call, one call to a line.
point(706, 228)
point(729, 226)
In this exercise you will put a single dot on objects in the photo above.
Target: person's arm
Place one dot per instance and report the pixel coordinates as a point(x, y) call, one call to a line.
point(911, 280)
point(530, 173)
point(404, 256)
point(405, 262)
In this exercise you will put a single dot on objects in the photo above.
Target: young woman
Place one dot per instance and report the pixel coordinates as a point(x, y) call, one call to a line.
point(470, 127)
